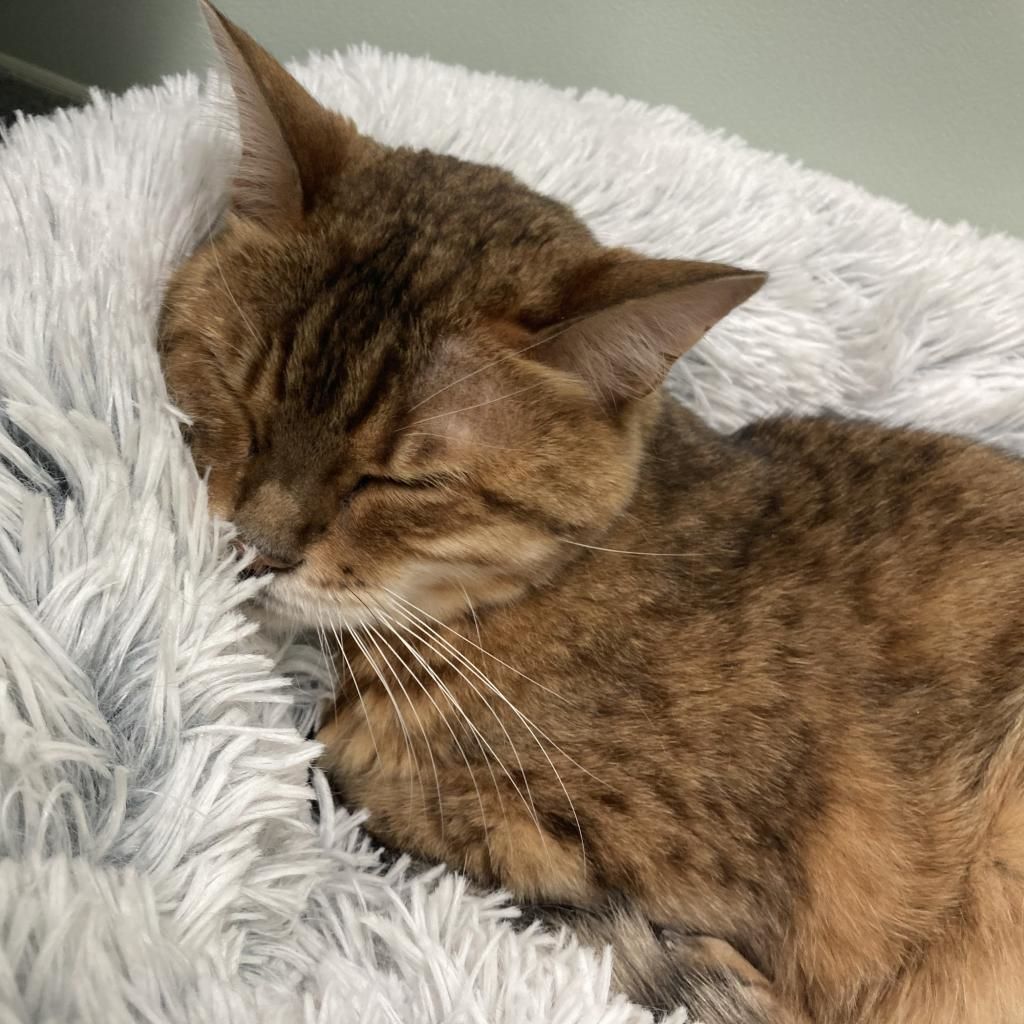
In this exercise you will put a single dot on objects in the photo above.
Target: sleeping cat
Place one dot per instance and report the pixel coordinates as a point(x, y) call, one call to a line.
point(747, 707)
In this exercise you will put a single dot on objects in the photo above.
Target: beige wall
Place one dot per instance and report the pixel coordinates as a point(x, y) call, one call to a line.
point(922, 100)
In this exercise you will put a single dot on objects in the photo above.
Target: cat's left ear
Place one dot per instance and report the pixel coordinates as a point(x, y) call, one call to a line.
point(292, 146)
point(624, 319)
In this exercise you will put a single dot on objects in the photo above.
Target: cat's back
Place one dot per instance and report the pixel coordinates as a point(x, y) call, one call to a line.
point(918, 536)
point(818, 597)
point(888, 560)
point(858, 611)
point(800, 591)
point(869, 483)
point(836, 561)
point(909, 550)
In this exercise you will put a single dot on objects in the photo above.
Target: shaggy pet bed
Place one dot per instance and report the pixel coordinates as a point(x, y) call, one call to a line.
point(161, 860)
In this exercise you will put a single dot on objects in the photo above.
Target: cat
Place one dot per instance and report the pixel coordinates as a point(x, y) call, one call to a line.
point(746, 707)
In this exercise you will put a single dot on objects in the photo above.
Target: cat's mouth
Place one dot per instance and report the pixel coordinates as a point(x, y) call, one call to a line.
point(287, 604)
point(420, 589)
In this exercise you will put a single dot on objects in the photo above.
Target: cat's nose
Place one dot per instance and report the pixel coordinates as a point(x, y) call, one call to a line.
point(263, 564)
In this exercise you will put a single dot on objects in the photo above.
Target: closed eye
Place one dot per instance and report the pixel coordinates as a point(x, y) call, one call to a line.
point(365, 482)
point(368, 482)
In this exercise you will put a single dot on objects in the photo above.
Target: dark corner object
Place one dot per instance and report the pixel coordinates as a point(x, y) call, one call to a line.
point(17, 94)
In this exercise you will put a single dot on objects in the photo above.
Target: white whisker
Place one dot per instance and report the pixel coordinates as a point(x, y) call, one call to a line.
point(481, 740)
point(359, 693)
point(419, 722)
point(322, 638)
point(260, 344)
point(461, 750)
point(529, 722)
point(394, 703)
point(482, 650)
point(535, 731)
point(527, 798)
point(472, 611)
point(622, 551)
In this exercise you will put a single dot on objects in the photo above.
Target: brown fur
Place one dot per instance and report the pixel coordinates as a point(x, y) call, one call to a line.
point(764, 691)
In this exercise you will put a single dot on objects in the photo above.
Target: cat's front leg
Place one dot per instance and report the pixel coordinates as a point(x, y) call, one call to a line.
point(723, 981)
point(666, 968)
point(467, 815)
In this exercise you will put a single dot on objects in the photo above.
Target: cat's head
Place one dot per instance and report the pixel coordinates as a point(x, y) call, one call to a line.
point(411, 377)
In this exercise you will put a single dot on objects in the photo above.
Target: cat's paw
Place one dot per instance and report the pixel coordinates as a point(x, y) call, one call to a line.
point(713, 958)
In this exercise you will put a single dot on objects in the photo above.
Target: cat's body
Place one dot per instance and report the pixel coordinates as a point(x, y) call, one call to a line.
point(751, 705)
point(799, 731)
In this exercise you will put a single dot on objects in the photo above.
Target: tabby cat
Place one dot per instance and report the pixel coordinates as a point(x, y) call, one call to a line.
point(747, 707)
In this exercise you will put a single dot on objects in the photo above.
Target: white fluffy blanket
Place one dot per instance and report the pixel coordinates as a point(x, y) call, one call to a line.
point(160, 861)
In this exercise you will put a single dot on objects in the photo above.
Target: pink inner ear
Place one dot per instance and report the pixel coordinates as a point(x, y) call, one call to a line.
point(267, 184)
point(292, 147)
point(626, 350)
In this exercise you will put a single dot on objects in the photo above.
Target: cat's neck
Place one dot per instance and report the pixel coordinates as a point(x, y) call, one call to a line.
point(692, 485)
point(684, 468)
point(677, 438)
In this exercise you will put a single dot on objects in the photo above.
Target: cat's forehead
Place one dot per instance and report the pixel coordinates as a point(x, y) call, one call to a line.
point(411, 251)
point(442, 217)
point(434, 190)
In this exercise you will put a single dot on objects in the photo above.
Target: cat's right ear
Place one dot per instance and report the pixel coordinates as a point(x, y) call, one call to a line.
point(291, 145)
point(625, 319)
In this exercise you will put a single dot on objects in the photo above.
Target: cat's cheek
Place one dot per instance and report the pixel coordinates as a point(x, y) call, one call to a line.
point(430, 588)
